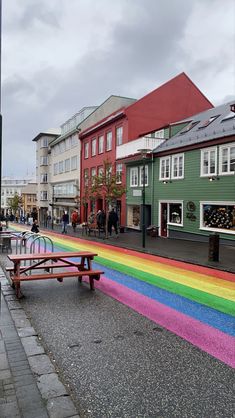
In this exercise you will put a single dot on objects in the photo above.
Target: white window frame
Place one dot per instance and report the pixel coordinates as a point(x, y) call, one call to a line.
point(43, 195)
point(74, 163)
point(44, 178)
point(119, 135)
point(209, 150)
point(86, 177)
point(229, 172)
point(168, 202)
point(109, 139)
point(168, 158)
point(177, 158)
point(101, 144)
point(86, 150)
point(44, 143)
point(93, 147)
point(141, 168)
point(67, 165)
point(217, 203)
point(56, 169)
point(61, 167)
point(44, 160)
point(132, 170)
point(119, 171)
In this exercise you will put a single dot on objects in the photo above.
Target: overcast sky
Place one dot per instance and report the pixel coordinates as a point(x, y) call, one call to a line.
point(61, 55)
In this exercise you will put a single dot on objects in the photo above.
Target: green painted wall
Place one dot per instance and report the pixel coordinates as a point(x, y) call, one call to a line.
point(192, 188)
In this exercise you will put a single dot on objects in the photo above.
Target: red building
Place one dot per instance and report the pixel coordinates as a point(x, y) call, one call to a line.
point(175, 100)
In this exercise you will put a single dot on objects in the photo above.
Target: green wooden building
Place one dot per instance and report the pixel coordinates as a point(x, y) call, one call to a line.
point(189, 179)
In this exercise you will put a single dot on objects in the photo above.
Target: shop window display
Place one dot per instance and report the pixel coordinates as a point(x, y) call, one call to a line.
point(175, 215)
point(219, 216)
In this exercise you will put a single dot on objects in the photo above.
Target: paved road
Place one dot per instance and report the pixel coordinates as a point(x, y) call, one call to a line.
point(118, 363)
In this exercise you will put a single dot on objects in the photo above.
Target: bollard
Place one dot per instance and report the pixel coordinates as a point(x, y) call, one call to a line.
point(213, 254)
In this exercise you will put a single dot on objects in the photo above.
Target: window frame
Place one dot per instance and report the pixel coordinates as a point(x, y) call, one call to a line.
point(132, 169)
point(93, 147)
point(214, 203)
point(228, 146)
point(146, 175)
point(119, 137)
point(100, 144)
point(177, 157)
point(209, 150)
point(167, 158)
point(86, 150)
point(110, 140)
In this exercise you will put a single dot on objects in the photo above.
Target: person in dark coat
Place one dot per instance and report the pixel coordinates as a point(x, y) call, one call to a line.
point(35, 227)
point(65, 221)
point(112, 222)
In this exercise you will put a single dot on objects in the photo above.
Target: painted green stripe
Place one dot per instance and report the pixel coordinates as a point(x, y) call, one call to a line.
point(204, 298)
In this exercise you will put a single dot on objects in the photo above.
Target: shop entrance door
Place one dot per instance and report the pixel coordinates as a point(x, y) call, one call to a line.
point(163, 220)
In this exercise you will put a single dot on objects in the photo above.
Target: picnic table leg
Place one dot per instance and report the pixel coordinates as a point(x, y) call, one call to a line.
point(19, 294)
point(91, 280)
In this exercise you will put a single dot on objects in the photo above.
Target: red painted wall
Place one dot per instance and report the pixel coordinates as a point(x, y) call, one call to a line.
point(177, 99)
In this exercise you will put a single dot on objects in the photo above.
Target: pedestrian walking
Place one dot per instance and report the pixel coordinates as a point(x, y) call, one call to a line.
point(35, 227)
point(74, 220)
point(65, 221)
point(112, 222)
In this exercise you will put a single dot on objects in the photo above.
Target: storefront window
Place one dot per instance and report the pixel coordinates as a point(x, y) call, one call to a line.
point(219, 216)
point(133, 216)
point(175, 213)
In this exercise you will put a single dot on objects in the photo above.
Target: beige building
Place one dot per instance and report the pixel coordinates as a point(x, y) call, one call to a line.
point(29, 200)
point(43, 171)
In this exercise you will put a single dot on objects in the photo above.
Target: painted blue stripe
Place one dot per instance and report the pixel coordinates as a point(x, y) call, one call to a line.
point(202, 313)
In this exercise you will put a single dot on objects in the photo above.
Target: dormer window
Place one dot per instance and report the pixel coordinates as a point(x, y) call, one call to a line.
point(208, 122)
point(189, 127)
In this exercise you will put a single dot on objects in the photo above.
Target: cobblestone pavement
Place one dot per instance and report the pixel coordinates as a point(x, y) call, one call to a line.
point(29, 384)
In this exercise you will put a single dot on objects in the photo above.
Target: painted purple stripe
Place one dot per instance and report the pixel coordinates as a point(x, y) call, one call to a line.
point(208, 339)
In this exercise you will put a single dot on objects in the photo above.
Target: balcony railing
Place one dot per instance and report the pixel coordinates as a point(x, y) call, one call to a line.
point(132, 147)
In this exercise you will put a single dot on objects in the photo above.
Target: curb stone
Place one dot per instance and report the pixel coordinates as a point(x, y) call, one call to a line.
point(54, 394)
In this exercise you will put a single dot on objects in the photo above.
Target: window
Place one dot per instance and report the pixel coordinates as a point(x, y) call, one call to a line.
point(119, 135)
point(62, 146)
point(177, 166)
point(74, 162)
point(61, 167)
point(44, 178)
point(44, 161)
point(93, 147)
point(188, 127)
point(175, 213)
point(101, 144)
point(108, 141)
point(86, 177)
point(100, 173)
point(164, 168)
point(227, 159)
point(216, 215)
point(142, 169)
point(68, 143)
point(207, 122)
point(67, 165)
point(56, 169)
point(133, 216)
point(119, 173)
point(44, 142)
point(208, 161)
point(134, 177)
point(86, 150)
point(74, 141)
point(93, 174)
point(43, 195)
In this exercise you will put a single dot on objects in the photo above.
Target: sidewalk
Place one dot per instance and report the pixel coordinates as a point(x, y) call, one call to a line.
point(29, 384)
point(183, 250)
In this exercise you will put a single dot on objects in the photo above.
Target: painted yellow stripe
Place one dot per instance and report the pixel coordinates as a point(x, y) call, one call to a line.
point(195, 280)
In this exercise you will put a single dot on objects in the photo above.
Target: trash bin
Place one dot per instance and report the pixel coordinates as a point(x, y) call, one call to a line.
point(213, 253)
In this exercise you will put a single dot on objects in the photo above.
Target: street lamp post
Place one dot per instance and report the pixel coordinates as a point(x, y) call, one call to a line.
point(143, 152)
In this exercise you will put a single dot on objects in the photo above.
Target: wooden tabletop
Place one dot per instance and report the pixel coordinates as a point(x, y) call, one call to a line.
point(50, 256)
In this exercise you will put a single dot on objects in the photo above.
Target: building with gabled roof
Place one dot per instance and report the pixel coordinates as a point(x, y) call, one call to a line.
point(113, 137)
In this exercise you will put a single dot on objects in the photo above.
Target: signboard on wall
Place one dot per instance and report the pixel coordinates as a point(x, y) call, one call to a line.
point(137, 192)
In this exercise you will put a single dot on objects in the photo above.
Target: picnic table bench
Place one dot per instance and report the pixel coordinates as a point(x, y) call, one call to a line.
point(57, 260)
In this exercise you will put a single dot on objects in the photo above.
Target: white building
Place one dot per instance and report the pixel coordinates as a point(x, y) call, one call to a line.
point(10, 187)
